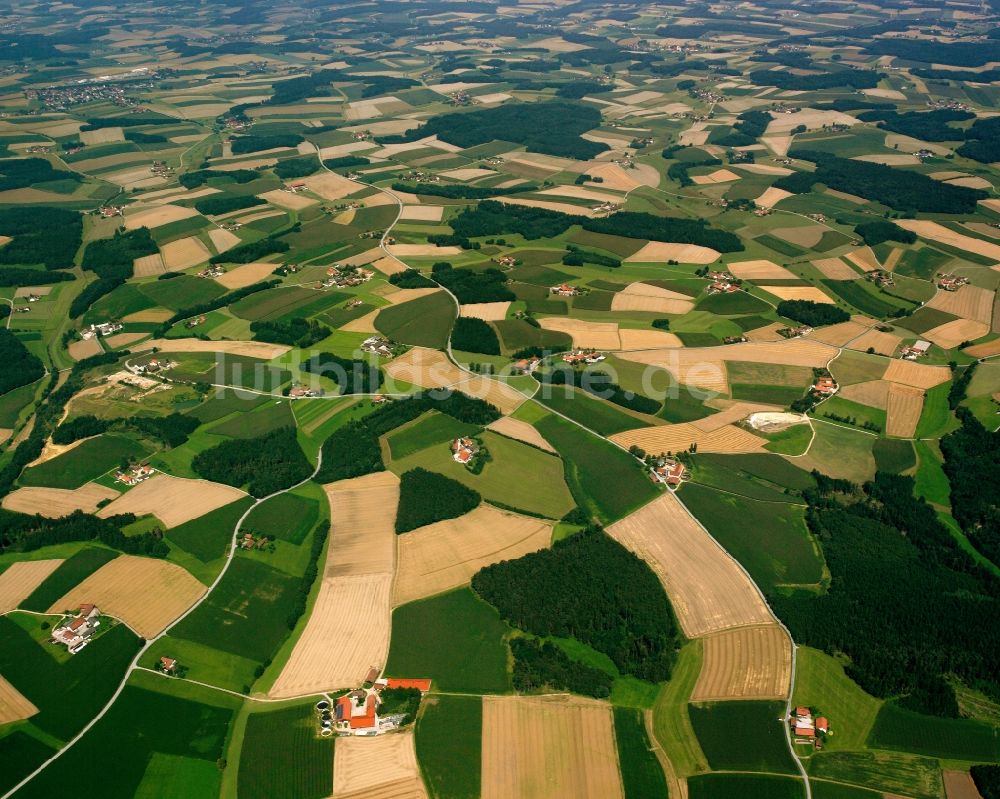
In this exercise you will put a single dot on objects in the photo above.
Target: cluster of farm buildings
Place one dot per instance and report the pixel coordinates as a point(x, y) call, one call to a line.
point(75, 632)
point(357, 712)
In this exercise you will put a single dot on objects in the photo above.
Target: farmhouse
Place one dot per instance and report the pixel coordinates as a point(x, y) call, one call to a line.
point(583, 356)
point(722, 277)
point(880, 278)
point(668, 471)
point(167, 665)
point(295, 188)
point(806, 729)
point(377, 345)
point(915, 350)
point(213, 271)
point(794, 332)
point(302, 392)
point(564, 290)
point(526, 365)
point(100, 329)
point(825, 386)
point(722, 287)
point(74, 633)
point(464, 450)
point(135, 476)
point(356, 712)
point(951, 282)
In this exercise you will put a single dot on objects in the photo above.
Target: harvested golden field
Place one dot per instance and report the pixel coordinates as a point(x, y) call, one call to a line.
point(363, 324)
point(614, 177)
point(984, 350)
point(362, 533)
point(172, 500)
point(380, 767)
point(933, 231)
point(726, 438)
point(521, 431)
point(158, 215)
point(245, 275)
point(145, 593)
point(397, 296)
point(835, 269)
point(772, 196)
point(549, 747)
point(790, 352)
point(56, 502)
point(123, 339)
point(959, 785)
point(445, 555)
point(882, 343)
point(917, 375)
point(993, 204)
point(506, 398)
point(810, 293)
point(839, 334)
point(718, 176)
point(252, 349)
point(951, 334)
point(893, 258)
point(422, 213)
point(467, 173)
point(656, 251)
point(551, 205)
point(803, 235)
point(765, 169)
point(600, 335)
point(27, 291)
point(13, 705)
point(101, 136)
point(646, 303)
point(766, 334)
point(812, 118)
point(330, 186)
point(708, 590)
point(222, 240)
point(732, 412)
point(903, 409)
point(20, 579)
point(148, 265)
point(288, 199)
point(389, 265)
point(969, 302)
point(873, 392)
point(184, 253)
point(889, 159)
point(426, 368)
point(632, 339)
point(760, 269)
point(149, 315)
point(487, 311)
point(346, 635)
point(421, 250)
point(581, 193)
point(745, 663)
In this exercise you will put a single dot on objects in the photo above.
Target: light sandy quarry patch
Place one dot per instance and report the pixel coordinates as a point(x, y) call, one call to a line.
point(379, 767)
point(245, 275)
point(617, 179)
point(934, 231)
point(557, 747)
point(583, 193)
point(13, 705)
point(951, 334)
point(969, 302)
point(123, 339)
point(78, 350)
point(874, 393)
point(727, 439)
point(468, 173)
point(804, 235)
point(102, 136)
point(718, 176)
point(600, 335)
point(157, 216)
point(330, 186)
point(551, 205)
point(760, 270)
point(623, 301)
point(146, 593)
point(918, 375)
point(773, 421)
point(506, 398)
point(810, 293)
point(882, 343)
point(707, 589)
point(422, 213)
point(522, 431)
point(362, 535)
point(18, 581)
point(252, 349)
point(487, 311)
point(765, 169)
point(632, 339)
point(421, 250)
point(425, 368)
point(839, 334)
point(223, 240)
point(666, 251)
point(184, 253)
point(772, 196)
point(745, 663)
point(287, 199)
point(173, 500)
point(903, 409)
point(835, 269)
point(445, 555)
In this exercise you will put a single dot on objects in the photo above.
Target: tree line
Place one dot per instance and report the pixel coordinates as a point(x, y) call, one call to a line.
point(20, 365)
point(264, 464)
point(172, 430)
point(295, 332)
point(426, 497)
point(23, 533)
point(814, 314)
point(472, 285)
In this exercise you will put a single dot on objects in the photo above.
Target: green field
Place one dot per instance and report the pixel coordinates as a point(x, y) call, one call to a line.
point(772, 395)
point(204, 663)
point(67, 575)
point(957, 739)
point(742, 736)
point(148, 742)
point(272, 303)
point(456, 639)
point(931, 481)
point(208, 537)
point(428, 430)
point(84, 462)
point(733, 304)
point(642, 774)
point(596, 414)
point(289, 517)
point(283, 755)
point(892, 772)
point(67, 693)
point(503, 478)
point(424, 322)
point(834, 790)
point(606, 481)
point(852, 367)
point(794, 440)
point(21, 754)
point(671, 723)
point(820, 683)
point(865, 297)
point(256, 422)
point(894, 455)
point(858, 414)
point(769, 471)
point(182, 291)
point(840, 451)
point(247, 613)
point(449, 745)
point(744, 786)
point(770, 539)
point(936, 418)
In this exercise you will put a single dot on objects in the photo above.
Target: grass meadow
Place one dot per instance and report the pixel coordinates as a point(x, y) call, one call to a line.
point(742, 736)
point(449, 745)
point(642, 774)
point(744, 786)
